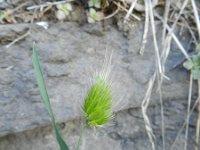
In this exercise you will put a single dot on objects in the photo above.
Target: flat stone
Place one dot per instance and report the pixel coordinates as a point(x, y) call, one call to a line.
point(70, 55)
point(125, 132)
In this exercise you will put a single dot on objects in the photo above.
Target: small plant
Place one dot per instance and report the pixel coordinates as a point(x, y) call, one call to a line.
point(97, 106)
point(63, 10)
point(6, 15)
point(94, 16)
point(94, 3)
point(194, 64)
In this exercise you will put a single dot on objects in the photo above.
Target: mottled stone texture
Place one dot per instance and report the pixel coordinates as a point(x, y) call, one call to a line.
point(70, 54)
point(125, 132)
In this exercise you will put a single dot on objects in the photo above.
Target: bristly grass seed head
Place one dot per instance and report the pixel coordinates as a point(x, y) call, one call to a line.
point(97, 105)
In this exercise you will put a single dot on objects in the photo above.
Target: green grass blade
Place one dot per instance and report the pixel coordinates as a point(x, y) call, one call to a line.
point(45, 98)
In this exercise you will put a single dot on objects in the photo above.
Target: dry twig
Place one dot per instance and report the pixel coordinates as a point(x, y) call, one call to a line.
point(18, 39)
point(113, 14)
point(174, 37)
point(13, 11)
point(123, 8)
point(159, 71)
point(166, 14)
point(47, 4)
point(183, 126)
point(140, 7)
point(151, 14)
point(196, 16)
point(145, 104)
point(198, 99)
point(130, 10)
point(198, 119)
point(146, 27)
point(186, 25)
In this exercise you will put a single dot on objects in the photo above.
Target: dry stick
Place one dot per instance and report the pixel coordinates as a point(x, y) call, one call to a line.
point(188, 111)
point(183, 25)
point(175, 38)
point(166, 14)
point(147, 97)
point(181, 11)
point(141, 8)
point(18, 39)
point(183, 126)
point(14, 10)
point(133, 15)
point(198, 119)
point(162, 114)
point(146, 27)
point(164, 56)
point(130, 10)
point(166, 44)
point(145, 104)
point(47, 8)
point(33, 16)
point(159, 70)
point(165, 51)
point(151, 14)
point(176, 20)
point(172, 14)
point(41, 6)
point(190, 30)
point(111, 15)
point(166, 47)
point(196, 16)
point(172, 35)
point(179, 44)
point(192, 108)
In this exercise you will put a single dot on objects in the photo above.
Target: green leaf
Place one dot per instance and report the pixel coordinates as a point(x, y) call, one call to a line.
point(97, 4)
point(92, 15)
point(94, 3)
point(45, 98)
point(195, 58)
point(196, 61)
point(93, 12)
point(188, 64)
point(198, 47)
point(91, 20)
point(90, 3)
point(195, 74)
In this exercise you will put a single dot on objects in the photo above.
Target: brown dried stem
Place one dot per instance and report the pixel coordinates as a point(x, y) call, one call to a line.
point(198, 119)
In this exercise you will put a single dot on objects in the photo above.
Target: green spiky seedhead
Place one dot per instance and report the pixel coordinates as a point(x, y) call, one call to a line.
point(98, 103)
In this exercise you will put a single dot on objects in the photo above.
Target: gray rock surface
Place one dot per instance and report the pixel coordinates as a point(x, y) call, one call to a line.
point(70, 54)
point(125, 132)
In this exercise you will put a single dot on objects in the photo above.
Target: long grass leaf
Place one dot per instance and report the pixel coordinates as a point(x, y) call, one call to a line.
point(45, 98)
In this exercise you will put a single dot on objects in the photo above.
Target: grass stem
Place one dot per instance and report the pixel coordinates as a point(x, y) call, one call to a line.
point(188, 111)
point(80, 137)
